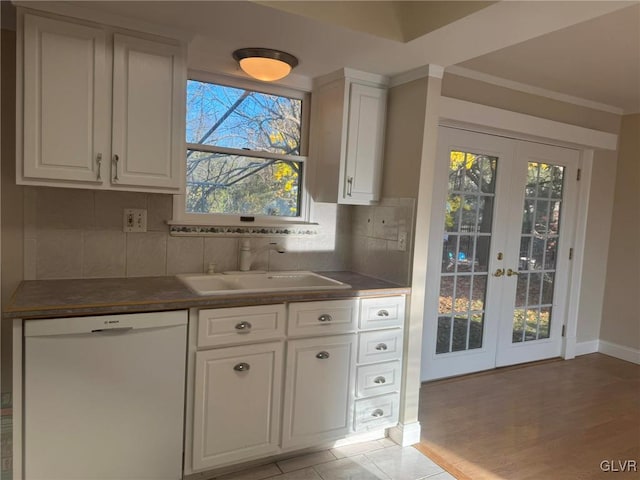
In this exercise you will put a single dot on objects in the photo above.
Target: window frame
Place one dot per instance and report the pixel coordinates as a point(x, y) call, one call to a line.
point(180, 214)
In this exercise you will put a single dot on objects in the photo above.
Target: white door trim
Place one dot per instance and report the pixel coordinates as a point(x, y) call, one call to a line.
point(459, 113)
point(580, 233)
point(483, 119)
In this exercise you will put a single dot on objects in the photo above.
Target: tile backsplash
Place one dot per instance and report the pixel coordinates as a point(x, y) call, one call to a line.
point(74, 233)
point(376, 242)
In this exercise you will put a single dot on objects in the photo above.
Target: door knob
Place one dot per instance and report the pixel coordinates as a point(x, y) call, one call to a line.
point(499, 272)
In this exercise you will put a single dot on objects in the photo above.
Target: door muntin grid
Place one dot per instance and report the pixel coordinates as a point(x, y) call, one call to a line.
point(466, 244)
point(539, 240)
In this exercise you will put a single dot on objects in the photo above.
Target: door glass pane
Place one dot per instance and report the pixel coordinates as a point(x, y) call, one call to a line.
point(538, 252)
point(466, 247)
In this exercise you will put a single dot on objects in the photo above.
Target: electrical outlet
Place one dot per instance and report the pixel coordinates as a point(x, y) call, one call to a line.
point(135, 220)
point(402, 240)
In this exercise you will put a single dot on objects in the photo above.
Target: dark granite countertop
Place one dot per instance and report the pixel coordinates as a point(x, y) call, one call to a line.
point(100, 296)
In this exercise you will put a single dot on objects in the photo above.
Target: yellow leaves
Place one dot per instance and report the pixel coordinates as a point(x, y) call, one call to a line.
point(283, 170)
point(459, 159)
point(276, 137)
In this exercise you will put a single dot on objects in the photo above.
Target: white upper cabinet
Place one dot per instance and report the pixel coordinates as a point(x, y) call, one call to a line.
point(347, 137)
point(101, 109)
point(65, 118)
point(148, 112)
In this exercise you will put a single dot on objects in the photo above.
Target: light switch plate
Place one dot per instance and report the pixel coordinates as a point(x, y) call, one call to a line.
point(135, 220)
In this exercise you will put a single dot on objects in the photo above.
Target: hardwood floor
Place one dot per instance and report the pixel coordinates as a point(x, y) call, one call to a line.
point(550, 420)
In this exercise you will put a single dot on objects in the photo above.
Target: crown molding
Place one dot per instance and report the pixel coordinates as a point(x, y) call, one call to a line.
point(523, 87)
point(431, 70)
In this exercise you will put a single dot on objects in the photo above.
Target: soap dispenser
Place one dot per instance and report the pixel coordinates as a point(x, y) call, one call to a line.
point(245, 255)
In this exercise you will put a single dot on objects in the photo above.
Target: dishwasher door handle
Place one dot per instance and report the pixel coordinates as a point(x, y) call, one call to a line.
point(112, 330)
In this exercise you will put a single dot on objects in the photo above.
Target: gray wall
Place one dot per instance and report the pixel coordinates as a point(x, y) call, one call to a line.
point(620, 317)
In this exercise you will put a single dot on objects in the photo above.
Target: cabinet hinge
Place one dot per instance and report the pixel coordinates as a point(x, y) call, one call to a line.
point(564, 330)
point(571, 253)
point(579, 175)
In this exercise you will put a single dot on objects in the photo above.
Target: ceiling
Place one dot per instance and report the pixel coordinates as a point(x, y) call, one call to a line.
point(586, 49)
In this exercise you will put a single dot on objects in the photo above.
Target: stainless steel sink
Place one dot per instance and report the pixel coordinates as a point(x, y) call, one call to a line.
point(252, 282)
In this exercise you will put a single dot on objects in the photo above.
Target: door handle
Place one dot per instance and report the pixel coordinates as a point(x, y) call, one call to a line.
point(499, 272)
point(116, 159)
point(99, 162)
point(112, 330)
point(511, 272)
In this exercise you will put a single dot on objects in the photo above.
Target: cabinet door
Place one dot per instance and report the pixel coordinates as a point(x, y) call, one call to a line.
point(319, 390)
point(149, 85)
point(65, 97)
point(237, 404)
point(365, 140)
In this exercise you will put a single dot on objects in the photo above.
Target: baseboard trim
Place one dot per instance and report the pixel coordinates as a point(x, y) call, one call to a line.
point(620, 351)
point(405, 434)
point(585, 348)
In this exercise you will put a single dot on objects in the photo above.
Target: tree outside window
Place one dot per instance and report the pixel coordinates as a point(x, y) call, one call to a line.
point(243, 150)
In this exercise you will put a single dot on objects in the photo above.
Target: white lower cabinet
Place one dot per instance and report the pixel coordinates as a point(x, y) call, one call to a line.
point(256, 392)
point(237, 403)
point(318, 389)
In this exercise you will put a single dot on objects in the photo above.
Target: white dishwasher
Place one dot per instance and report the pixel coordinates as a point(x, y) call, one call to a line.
point(104, 397)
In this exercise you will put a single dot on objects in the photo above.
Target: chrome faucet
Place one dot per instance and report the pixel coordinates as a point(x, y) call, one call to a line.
point(246, 255)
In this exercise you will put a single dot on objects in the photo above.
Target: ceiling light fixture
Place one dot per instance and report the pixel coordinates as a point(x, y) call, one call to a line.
point(264, 63)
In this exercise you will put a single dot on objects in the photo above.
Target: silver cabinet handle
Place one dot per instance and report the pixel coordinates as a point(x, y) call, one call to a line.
point(383, 313)
point(325, 317)
point(380, 380)
point(349, 185)
point(323, 355)
point(116, 159)
point(242, 367)
point(99, 162)
point(243, 327)
point(381, 346)
point(378, 412)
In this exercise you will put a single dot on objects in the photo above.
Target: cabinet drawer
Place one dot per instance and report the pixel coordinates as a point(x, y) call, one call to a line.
point(381, 312)
point(380, 346)
point(322, 318)
point(376, 412)
point(227, 326)
point(377, 379)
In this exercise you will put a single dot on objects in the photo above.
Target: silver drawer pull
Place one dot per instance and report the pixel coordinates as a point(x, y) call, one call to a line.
point(383, 313)
point(378, 412)
point(381, 347)
point(379, 380)
point(242, 367)
point(323, 355)
point(243, 327)
point(325, 317)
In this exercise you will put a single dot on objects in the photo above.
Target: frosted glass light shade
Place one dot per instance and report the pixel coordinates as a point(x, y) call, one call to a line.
point(265, 64)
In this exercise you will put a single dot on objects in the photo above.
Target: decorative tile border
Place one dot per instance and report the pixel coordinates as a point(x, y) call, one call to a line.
point(235, 231)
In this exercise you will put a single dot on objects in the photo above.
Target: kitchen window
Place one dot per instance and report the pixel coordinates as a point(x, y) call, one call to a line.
point(245, 153)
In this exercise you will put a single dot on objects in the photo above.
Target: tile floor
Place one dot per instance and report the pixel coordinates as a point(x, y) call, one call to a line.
point(375, 460)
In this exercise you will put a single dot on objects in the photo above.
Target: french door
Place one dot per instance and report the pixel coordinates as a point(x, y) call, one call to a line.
point(502, 229)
